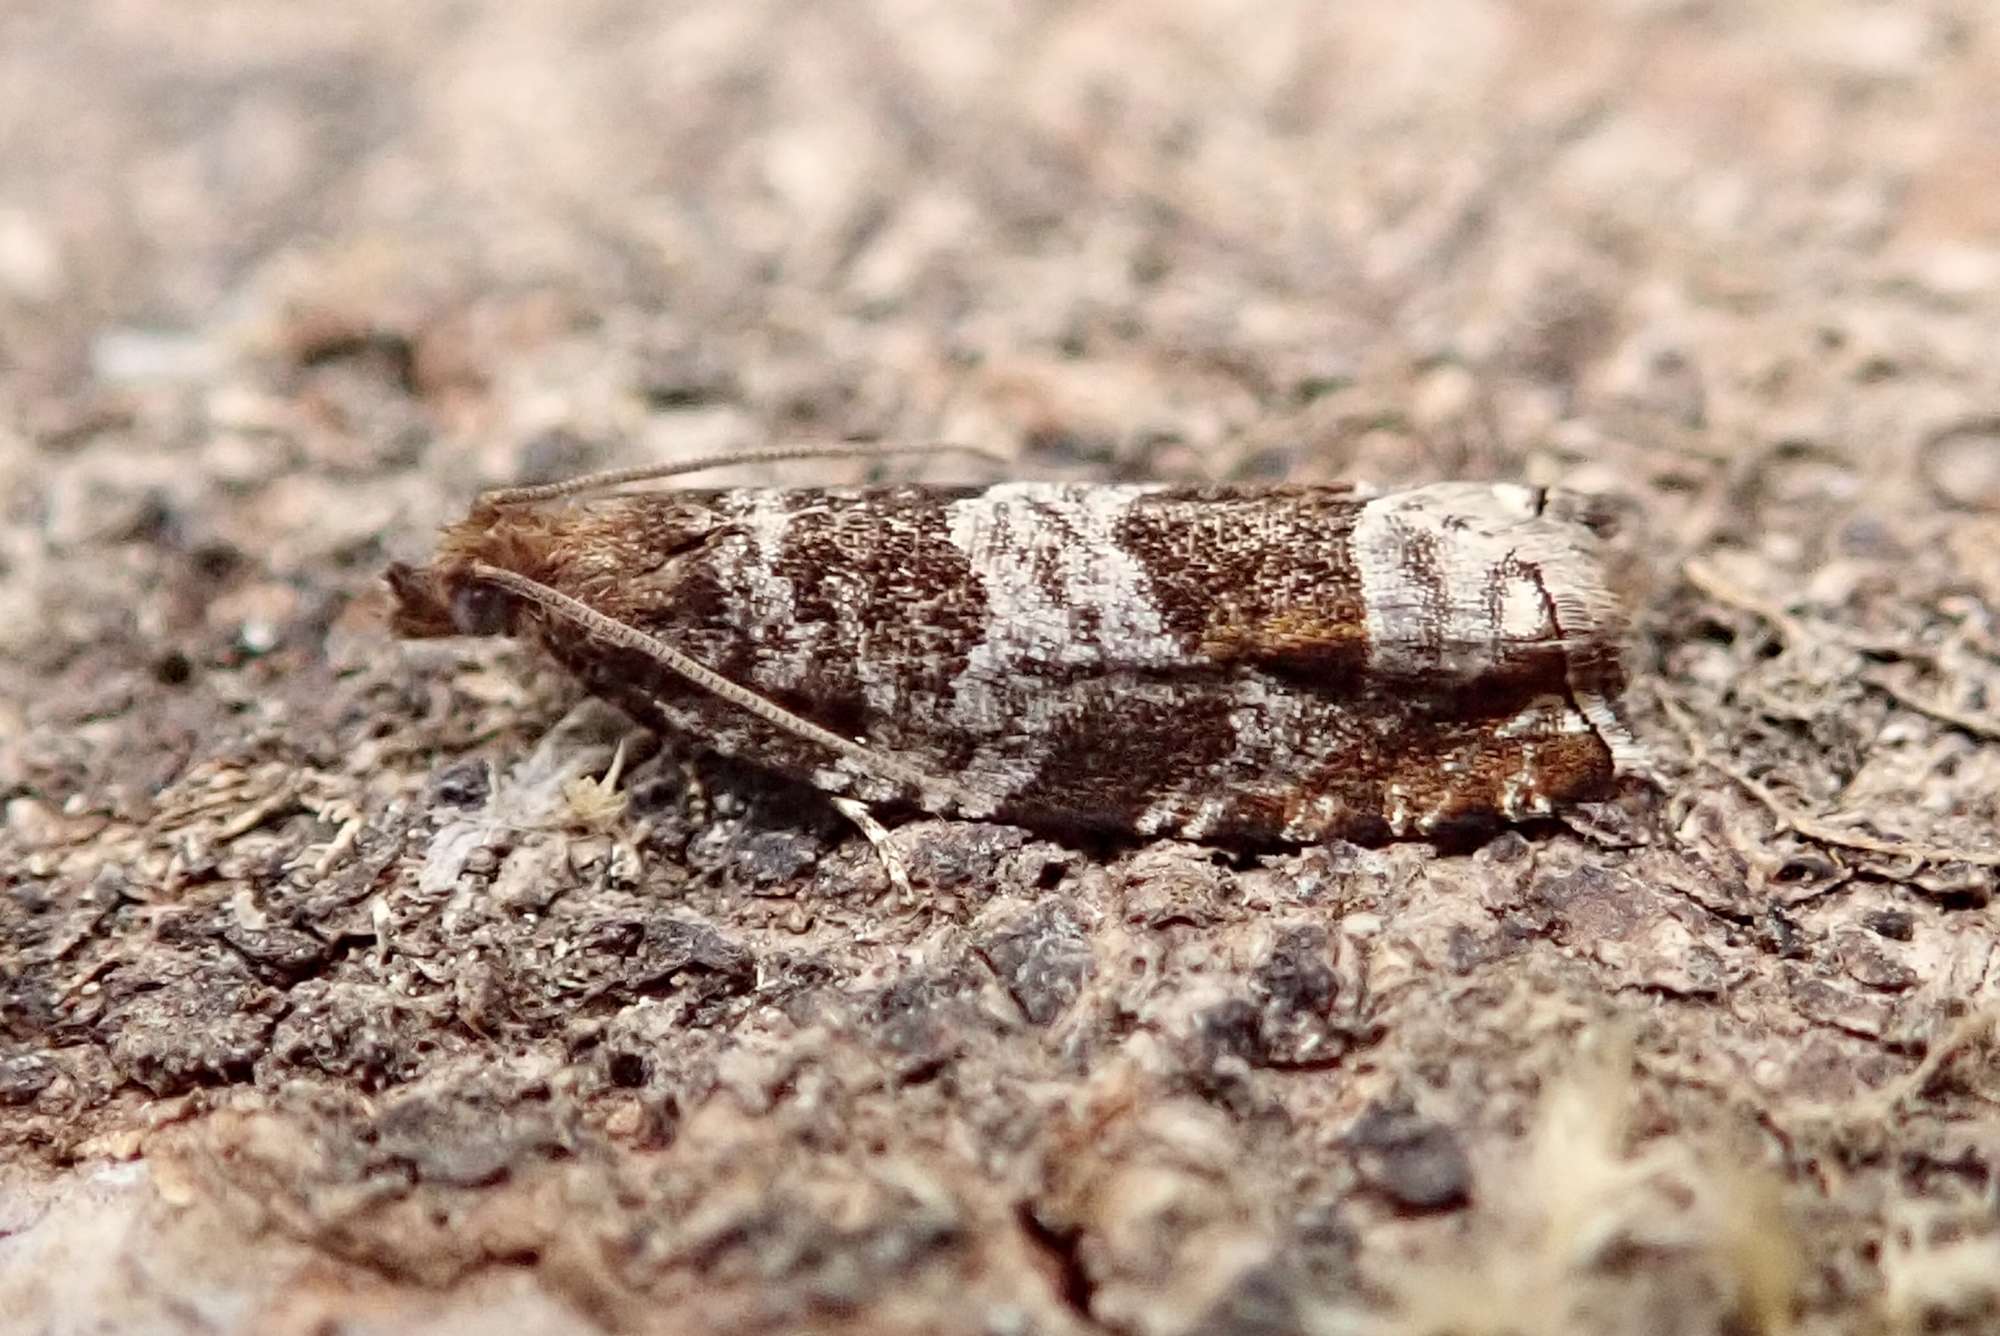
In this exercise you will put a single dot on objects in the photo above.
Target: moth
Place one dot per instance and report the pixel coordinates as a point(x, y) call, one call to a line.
point(1263, 664)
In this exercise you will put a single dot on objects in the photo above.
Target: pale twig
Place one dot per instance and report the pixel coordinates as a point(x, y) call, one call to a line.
point(1790, 818)
point(1719, 587)
point(336, 848)
point(284, 799)
point(1979, 726)
point(1794, 630)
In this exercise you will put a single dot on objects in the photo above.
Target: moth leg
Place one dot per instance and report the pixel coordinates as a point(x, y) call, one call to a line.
point(694, 790)
point(878, 836)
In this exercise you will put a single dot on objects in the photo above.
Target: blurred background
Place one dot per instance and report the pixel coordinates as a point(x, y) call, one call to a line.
point(283, 283)
point(1442, 237)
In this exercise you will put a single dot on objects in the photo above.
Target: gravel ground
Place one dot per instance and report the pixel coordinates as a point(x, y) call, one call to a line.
point(338, 994)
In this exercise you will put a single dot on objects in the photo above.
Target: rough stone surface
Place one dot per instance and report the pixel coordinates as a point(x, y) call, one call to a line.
point(340, 991)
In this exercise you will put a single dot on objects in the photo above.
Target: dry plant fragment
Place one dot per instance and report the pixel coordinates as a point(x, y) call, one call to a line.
point(1939, 1265)
point(598, 804)
point(1820, 829)
point(1588, 1213)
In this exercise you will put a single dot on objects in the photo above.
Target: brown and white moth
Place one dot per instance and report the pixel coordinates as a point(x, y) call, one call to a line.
point(1249, 663)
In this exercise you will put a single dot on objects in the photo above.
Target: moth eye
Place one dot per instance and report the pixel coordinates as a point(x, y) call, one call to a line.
point(478, 610)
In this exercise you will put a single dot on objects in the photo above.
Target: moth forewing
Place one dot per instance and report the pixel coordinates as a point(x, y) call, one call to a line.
point(1283, 663)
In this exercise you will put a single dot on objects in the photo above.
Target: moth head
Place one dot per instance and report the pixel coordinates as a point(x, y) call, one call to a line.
point(448, 597)
point(446, 600)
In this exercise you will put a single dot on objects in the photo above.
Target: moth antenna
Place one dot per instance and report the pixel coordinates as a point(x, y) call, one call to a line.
point(593, 482)
point(709, 680)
